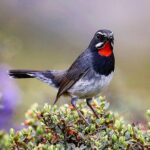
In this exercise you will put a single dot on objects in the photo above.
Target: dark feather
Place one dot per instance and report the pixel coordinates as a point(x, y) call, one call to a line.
point(21, 73)
point(77, 70)
point(51, 77)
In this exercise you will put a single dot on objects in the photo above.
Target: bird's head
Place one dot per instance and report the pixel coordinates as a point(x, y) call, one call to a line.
point(103, 42)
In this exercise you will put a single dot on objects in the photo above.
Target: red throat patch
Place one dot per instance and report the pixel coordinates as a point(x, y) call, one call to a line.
point(105, 50)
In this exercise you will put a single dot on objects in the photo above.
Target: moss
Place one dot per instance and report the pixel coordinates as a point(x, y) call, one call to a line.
point(59, 128)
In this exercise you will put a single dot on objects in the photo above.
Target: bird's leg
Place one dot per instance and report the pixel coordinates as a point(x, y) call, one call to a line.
point(73, 102)
point(88, 101)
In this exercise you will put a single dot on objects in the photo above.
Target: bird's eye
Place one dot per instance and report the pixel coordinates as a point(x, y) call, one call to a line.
point(101, 37)
point(98, 36)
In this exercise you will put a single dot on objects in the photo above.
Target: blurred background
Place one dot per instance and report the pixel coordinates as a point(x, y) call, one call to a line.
point(37, 34)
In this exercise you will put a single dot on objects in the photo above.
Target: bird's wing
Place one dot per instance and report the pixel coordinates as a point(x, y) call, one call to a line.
point(77, 70)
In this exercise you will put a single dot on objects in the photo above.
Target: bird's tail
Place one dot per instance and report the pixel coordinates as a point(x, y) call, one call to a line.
point(52, 78)
point(22, 73)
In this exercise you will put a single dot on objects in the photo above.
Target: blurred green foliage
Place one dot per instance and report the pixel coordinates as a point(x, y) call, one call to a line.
point(53, 128)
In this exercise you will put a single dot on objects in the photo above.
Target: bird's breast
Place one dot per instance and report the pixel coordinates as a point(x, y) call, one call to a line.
point(88, 87)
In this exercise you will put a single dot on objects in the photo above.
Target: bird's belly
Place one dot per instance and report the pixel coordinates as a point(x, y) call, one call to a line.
point(85, 88)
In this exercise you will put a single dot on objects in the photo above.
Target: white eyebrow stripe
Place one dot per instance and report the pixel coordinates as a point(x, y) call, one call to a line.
point(102, 33)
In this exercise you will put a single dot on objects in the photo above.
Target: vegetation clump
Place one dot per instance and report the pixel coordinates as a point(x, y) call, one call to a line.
point(61, 128)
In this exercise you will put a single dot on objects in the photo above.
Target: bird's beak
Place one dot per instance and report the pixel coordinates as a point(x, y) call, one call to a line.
point(111, 40)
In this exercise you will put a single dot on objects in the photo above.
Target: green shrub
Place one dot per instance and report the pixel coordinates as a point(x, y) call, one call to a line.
point(53, 128)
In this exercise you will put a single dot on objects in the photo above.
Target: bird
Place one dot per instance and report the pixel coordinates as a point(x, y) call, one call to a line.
point(88, 75)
